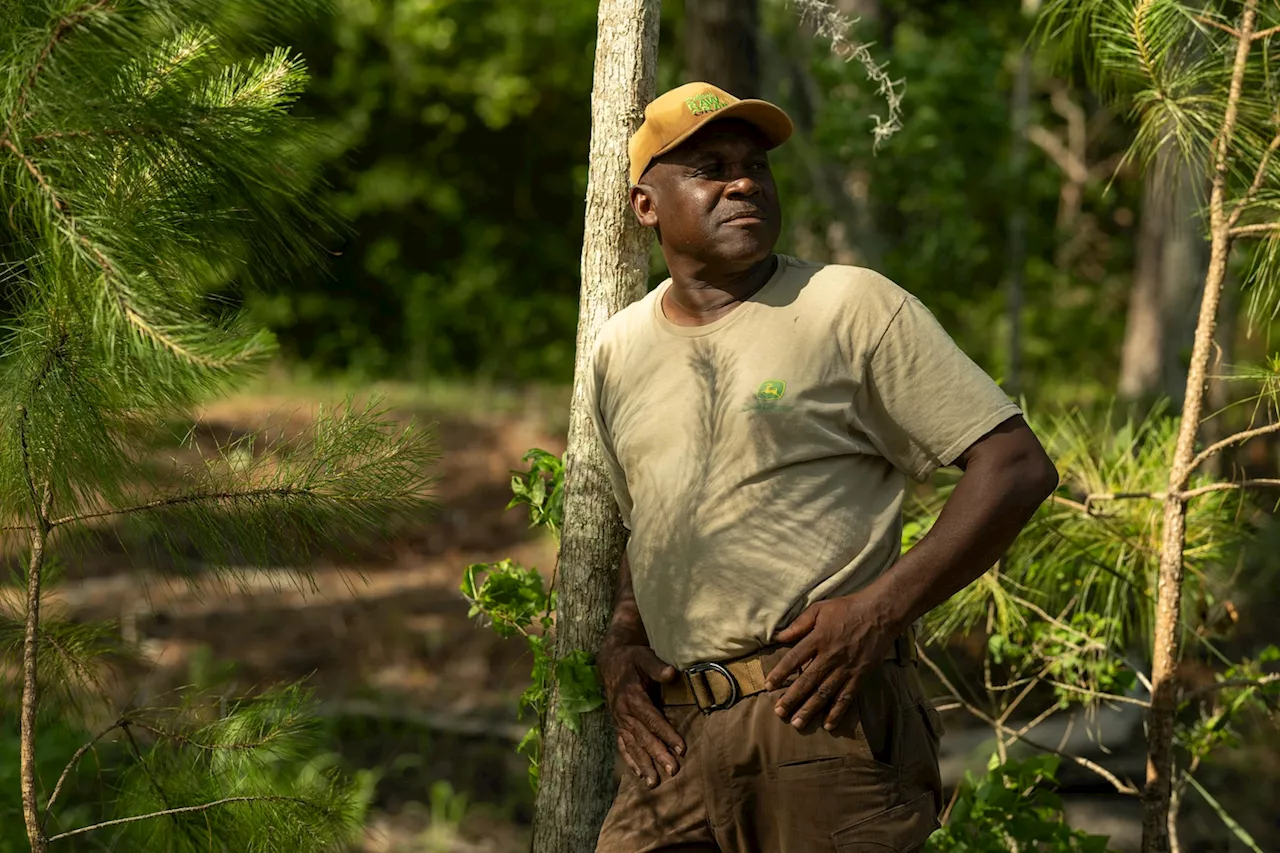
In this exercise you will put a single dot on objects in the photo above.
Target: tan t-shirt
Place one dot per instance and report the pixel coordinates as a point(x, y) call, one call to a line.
point(760, 461)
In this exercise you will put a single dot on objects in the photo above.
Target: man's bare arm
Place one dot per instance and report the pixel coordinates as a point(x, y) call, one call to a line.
point(629, 669)
point(626, 628)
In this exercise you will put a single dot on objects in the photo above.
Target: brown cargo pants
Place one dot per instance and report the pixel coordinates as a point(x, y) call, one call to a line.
point(751, 783)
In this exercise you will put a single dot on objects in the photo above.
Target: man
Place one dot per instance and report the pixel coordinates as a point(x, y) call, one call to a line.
point(760, 415)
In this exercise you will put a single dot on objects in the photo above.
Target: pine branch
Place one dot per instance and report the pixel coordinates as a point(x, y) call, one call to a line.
point(275, 735)
point(1225, 487)
point(1095, 694)
point(35, 173)
point(110, 277)
point(1238, 438)
point(184, 810)
point(71, 765)
point(1262, 228)
point(187, 500)
point(60, 30)
point(1259, 179)
point(1267, 33)
point(1232, 31)
point(1231, 683)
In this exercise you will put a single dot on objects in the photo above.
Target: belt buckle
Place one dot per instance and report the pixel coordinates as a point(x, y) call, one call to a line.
point(735, 692)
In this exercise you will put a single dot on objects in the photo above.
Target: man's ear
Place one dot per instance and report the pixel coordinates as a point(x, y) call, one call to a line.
point(643, 204)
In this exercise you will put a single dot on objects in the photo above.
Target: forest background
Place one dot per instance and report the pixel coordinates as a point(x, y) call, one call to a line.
point(453, 139)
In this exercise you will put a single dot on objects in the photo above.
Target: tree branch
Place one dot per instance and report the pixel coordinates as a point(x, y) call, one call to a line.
point(1238, 438)
point(1254, 230)
point(1218, 24)
point(109, 275)
point(1259, 179)
point(1106, 697)
point(1090, 641)
point(1101, 771)
point(64, 25)
point(1053, 147)
point(181, 810)
point(71, 765)
point(35, 173)
point(1267, 33)
point(182, 500)
point(1225, 487)
point(1229, 684)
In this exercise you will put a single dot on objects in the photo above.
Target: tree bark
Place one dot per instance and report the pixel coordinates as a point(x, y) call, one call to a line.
point(722, 44)
point(577, 782)
point(1167, 642)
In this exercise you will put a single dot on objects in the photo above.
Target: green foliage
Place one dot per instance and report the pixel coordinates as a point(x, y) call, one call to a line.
point(541, 488)
point(1100, 563)
point(56, 743)
point(938, 196)
point(1169, 64)
point(1216, 722)
point(457, 141)
point(1067, 655)
point(261, 759)
point(1011, 810)
point(515, 600)
point(152, 168)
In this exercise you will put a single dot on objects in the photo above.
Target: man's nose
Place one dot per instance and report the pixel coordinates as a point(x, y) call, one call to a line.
point(742, 186)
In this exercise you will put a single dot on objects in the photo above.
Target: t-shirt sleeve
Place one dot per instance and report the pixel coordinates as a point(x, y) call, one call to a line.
point(595, 395)
point(923, 402)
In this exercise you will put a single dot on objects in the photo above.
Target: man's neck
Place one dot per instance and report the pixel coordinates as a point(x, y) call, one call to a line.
point(699, 295)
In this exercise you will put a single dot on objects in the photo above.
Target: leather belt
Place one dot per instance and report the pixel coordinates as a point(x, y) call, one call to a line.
point(717, 686)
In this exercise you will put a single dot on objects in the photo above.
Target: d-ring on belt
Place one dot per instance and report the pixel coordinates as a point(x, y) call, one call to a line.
point(717, 686)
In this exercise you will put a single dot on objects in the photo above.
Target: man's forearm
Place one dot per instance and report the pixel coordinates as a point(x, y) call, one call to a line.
point(990, 505)
point(626, 628)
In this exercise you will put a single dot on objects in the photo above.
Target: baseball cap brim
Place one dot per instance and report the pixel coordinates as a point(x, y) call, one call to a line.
point(770, 120)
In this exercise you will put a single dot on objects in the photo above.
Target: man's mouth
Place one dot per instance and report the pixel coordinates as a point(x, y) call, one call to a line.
point(745, 219)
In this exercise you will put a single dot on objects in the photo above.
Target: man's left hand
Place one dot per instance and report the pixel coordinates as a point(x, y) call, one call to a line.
point(837, 641)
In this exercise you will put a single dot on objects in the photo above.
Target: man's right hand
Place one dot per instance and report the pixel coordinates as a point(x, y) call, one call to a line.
point(645, 738)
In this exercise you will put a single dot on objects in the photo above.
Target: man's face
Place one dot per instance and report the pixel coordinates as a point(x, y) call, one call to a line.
point(713, 199)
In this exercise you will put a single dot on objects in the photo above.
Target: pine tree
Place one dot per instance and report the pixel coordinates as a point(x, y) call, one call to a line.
point(150, 169)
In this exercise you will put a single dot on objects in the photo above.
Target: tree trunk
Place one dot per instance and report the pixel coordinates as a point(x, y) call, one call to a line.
point(1016, 246)
point(722, 44)
point(576, 779)
point(1167, 642)
point(1168, 274)
point(1141, 362)
point(30, 681)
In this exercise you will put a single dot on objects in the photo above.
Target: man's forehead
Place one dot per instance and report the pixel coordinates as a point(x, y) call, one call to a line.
point(719, 137)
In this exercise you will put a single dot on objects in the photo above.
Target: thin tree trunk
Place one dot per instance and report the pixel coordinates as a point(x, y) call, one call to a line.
point(722, 46)
point(576, 779)
point(1167, 645)
point(1016, 247)
point(1168, 273)
point(1141, 354)
point(30, 684)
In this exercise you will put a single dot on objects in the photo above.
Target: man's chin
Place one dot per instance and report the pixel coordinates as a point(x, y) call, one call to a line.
point(744, 249)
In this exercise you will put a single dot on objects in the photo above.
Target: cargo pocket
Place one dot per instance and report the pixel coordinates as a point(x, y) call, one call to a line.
point(901, 829)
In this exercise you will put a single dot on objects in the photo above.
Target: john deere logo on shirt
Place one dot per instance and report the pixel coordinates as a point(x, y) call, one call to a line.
point(767, 396)
point(708, 103)
point(771, 390)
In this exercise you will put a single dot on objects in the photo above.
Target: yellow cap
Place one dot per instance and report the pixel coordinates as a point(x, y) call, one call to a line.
point(676, 115)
